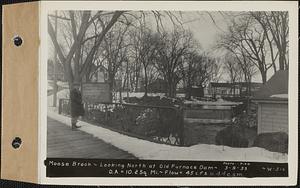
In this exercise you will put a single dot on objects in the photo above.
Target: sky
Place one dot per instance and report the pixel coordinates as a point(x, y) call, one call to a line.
point(206, 28)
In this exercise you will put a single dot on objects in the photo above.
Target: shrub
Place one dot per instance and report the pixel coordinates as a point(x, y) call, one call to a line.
point(231, 136)
point(155, 122)
point(131, 99)
point(276, 142)
point(147, 122)
point(142, 119)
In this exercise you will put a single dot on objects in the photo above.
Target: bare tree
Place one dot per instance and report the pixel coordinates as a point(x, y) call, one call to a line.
point(78, 36)
point(215, 69)
point(172, 47)
point(275, 26)
point(80, 22)
point(247, 41)
point(197, 70)
point(115, 50)
point(145, 43)
point(232, 68)
point(134, 72)
point(134, 60)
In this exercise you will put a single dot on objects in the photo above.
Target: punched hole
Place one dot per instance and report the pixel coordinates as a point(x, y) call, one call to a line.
point(16, 143)
point(18, 41)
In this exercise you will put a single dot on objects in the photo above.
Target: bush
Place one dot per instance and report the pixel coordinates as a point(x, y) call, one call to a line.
point(276, 142)
point(131, 99)
point(155, 122)
point(147, 122)
point(142, 119)
point(231, 136)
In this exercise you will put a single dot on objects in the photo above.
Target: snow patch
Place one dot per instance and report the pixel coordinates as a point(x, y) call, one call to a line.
point(284, 96)
point(141, 94)
point(62, 94)
point(207, 121)
point(213, 103)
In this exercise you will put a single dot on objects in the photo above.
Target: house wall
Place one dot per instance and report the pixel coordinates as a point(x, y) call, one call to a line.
point(272, 117)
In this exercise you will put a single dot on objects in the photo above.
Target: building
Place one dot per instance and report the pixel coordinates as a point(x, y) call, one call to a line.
point(237, 89)
point(58, 72)
point(157, 86)
point(272, 101)
point(98, 74)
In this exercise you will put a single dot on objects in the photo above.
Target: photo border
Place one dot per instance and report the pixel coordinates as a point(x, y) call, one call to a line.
point(290, 6)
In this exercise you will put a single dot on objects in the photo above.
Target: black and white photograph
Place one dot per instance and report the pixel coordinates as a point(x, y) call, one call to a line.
point(168, 85)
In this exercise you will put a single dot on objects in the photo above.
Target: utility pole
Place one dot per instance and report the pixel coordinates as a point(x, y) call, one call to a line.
point(55, 87)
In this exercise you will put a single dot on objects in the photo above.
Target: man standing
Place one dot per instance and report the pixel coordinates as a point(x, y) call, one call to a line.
point(76, 105)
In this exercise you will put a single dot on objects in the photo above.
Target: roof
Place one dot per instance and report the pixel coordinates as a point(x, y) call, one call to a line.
point(275, 87)
point(230, 85)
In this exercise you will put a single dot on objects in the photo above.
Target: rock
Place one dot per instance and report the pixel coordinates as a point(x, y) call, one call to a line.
point(276, 142)
point(231, 136)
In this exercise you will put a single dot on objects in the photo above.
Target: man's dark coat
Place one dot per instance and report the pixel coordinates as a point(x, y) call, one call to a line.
point(76, 103)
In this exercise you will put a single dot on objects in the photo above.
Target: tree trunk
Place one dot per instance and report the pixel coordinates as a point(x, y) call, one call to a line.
point(172, 90)
point(188, 92)
point(169, 88)
point(264, 76)
point(69, 74)
point(111, 79)
point(146, 82)
point(87, 78)
point(136, 82)
point(281, 60)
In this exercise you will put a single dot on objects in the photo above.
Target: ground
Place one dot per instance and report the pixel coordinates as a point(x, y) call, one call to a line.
point(205, 133)
point(62, 142)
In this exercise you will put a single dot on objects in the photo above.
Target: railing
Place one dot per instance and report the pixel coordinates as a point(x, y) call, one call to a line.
point(64, 106)
point(162, 124)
